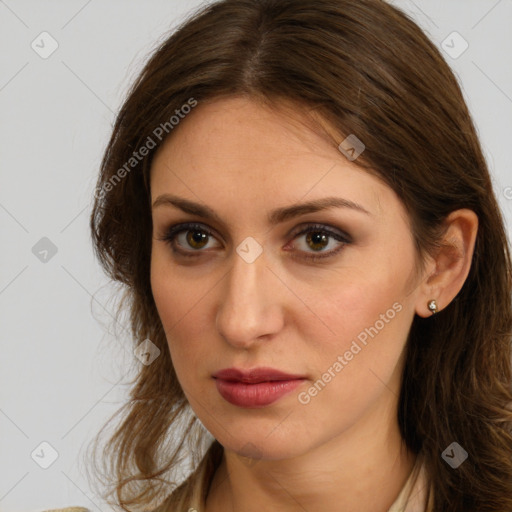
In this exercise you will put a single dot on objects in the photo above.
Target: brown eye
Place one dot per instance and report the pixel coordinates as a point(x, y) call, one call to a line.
point(317, 238)
point(187, 239)
point(196, 239)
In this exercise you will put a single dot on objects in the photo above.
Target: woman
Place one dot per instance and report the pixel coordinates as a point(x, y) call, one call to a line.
point(316, 266)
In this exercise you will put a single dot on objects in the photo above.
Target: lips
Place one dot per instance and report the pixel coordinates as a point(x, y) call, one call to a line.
point(255, 388)
point(256, 375)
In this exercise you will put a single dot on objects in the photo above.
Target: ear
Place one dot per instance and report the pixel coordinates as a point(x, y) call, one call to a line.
point(452, 263)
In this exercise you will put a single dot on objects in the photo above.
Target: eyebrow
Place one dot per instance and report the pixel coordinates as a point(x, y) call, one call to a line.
point(274, 217)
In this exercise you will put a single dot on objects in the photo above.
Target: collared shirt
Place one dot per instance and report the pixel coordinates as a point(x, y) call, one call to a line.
point(413, 496)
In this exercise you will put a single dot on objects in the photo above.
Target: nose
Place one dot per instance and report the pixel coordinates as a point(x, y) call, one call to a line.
point(249, 306)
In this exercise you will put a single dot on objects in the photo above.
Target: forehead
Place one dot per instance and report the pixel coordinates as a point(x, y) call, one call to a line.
point(239, 150)
point(233, 127)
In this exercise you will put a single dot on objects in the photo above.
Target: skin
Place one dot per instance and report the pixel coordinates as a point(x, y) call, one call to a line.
point(342, 450)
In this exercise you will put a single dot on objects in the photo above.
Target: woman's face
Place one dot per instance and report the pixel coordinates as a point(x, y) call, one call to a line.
point(239, 288)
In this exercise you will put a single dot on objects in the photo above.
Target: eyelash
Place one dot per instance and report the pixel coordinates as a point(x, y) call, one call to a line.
point(174, 231)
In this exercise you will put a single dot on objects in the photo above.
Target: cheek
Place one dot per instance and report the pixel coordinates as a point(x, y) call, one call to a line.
point(174, 294)
point(376, 286)
point(357, 365)
point(362, 316)
point(181, 305)
point(349, 304)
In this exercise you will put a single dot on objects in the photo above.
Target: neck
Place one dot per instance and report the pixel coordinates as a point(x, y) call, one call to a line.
point(363, 469)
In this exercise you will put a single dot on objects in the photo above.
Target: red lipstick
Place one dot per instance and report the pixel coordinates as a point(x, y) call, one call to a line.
point(255, 388)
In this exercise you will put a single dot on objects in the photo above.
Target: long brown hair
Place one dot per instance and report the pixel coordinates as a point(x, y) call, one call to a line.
point(369, 70)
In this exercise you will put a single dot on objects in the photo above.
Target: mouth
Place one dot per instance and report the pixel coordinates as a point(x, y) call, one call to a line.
point(255, 388)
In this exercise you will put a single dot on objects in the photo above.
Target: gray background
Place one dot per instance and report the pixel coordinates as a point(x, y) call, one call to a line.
point(59, 366)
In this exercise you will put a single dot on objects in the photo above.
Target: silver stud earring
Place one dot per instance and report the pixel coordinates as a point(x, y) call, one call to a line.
point(432, 305)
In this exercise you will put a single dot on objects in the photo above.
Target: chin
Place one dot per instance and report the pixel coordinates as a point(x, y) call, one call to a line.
point(264, 447)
